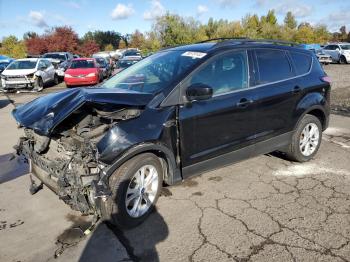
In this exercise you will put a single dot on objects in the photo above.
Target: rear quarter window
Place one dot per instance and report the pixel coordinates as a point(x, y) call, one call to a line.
point(302, 62)
point(273, 65)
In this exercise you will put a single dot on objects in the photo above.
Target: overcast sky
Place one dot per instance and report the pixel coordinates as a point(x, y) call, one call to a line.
point(20, 16)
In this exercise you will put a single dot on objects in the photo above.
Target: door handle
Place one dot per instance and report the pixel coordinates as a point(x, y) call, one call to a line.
point(296, 89)
point(244, 102)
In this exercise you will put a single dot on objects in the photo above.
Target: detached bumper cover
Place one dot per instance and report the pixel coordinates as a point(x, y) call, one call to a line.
point(17, 82)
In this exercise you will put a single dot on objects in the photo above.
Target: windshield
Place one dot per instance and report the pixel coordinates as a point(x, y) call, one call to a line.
point(132, 53)
point(101, 61)
point(60, 57)
point(345, 47)
point(22, 65)
point(82, 64)
point(155, 72)
point(126, 63)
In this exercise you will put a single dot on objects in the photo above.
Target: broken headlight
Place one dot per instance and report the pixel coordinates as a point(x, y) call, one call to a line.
point(31, 76)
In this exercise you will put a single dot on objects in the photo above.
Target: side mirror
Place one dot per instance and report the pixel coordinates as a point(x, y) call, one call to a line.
point(199, 91)
point(42, 68)
point(337, 49)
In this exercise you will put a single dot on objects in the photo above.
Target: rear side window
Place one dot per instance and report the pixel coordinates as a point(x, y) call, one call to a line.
point(273, 65)
point(302, 62)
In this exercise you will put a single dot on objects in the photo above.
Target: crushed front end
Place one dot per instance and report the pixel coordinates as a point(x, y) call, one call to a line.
point(62, 131)
point(64, 164)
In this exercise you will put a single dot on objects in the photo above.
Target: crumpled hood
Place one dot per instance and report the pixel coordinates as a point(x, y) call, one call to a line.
point(43, 114)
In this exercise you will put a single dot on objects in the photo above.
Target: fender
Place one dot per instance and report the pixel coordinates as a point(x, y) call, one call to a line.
point(310, 102)
point(173, 173)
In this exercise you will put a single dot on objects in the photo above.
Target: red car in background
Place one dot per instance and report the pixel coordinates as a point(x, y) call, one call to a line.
point(83, 71)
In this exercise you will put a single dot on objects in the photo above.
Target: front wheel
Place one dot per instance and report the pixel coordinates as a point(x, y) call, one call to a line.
point(39, 84)
point(342, 60)
point(135, 187)
point(56, 80)
point(306, 139)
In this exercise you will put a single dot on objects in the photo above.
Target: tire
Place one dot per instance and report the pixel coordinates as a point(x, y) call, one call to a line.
point(39, 84)
point(115, 209)
point(342, 60)
point(56, 80)
point(295, 150)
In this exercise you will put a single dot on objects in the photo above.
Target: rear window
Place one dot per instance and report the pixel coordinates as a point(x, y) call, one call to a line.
point(273, 65)
point(302, 62)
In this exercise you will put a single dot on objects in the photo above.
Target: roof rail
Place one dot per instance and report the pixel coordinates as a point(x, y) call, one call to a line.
point(243, 40)
point(222, 38)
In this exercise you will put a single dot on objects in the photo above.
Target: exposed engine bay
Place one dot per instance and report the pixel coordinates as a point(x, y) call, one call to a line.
point(67, 160)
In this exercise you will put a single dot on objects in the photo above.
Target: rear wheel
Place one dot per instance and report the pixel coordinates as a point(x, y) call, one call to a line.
point(306, 139)
point(135, 186)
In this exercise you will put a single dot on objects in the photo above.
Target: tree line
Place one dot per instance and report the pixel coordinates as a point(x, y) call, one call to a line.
point(170, 30)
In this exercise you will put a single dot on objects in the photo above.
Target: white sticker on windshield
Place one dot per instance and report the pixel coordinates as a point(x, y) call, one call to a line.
point(194, 54)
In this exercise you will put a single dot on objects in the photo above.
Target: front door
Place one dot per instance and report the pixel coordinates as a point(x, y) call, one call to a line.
point(213, 128)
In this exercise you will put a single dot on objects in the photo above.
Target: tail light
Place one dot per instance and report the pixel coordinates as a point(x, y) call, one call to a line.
point(326, 79)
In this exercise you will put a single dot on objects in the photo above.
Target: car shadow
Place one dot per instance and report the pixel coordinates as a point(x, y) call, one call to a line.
point(12, 166)
point(139, 242)
point(5, 102)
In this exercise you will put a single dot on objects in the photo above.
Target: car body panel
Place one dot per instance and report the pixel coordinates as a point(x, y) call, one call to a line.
point(43, 114)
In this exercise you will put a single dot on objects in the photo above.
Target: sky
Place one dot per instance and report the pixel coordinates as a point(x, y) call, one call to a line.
point(124, 16)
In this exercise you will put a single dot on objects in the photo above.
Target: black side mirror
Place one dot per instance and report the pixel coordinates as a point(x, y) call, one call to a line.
point(199, 91)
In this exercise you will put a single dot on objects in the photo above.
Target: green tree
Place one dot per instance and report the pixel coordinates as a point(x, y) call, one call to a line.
point(103, 38)
point(12, 47)
point(251, 26)
point(109, 47)
point(271, 17)
point(174, 30)
point(321, 34)
point(29, 35)
point(289, 21)
point(304, 34)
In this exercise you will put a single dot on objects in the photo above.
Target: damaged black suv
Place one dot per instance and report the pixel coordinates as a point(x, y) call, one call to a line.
point(109, 150)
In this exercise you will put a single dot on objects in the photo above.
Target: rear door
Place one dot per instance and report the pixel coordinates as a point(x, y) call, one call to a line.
point(223, 123)
point(277, 93)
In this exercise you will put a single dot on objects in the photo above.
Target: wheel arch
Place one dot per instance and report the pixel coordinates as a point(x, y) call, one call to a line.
point(317, 111)
point(172, 173)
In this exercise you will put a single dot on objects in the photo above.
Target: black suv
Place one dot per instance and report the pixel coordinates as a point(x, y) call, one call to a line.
point(182, 111)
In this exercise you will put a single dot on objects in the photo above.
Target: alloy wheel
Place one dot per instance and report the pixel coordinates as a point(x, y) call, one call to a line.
point(142, 191)
point(309, 139)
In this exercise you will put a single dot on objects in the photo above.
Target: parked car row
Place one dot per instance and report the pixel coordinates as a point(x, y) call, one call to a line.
point(53, 67)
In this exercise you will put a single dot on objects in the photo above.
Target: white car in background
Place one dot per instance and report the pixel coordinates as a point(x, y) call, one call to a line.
point(29, 73)
point(340, 52)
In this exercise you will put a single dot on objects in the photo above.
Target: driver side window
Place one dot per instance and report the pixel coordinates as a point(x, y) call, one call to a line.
point(225, 73)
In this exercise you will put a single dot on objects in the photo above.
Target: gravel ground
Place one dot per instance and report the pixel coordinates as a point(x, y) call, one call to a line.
point(340, 95)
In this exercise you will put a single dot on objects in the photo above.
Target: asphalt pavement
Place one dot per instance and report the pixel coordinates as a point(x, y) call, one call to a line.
point(262, 209)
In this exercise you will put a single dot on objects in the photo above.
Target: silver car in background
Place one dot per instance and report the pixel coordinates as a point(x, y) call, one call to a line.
point(340, 52)
point(29, 73)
